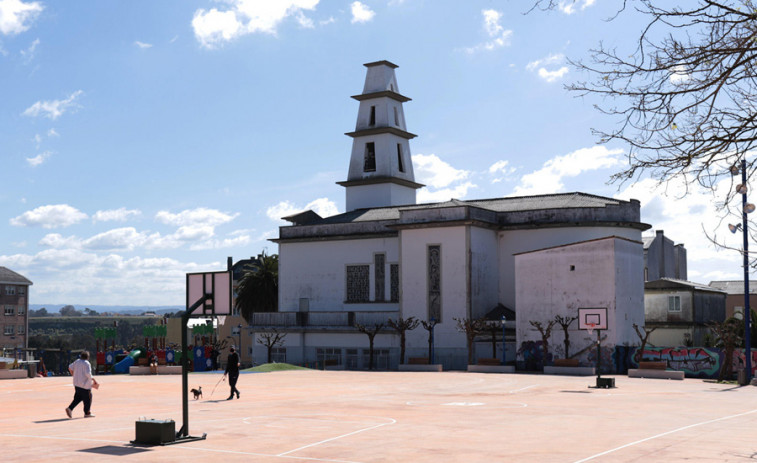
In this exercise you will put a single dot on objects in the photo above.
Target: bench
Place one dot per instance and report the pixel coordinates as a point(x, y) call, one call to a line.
point(653, 366)
point(565, 362)
point(489, 361)
point(417, 361)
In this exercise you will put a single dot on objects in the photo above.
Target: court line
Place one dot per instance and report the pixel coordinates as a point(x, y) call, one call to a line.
point(664, 434)
point(337, 437)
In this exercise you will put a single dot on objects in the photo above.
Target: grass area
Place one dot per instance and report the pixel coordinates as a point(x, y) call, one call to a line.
point(266, 367)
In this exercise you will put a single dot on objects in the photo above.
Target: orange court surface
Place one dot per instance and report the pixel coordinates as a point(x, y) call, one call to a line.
point(364, 417)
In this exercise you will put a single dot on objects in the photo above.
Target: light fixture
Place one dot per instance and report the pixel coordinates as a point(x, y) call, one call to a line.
point(741, 189)
point(734, 228)
point(749, 208)
point(735, 170)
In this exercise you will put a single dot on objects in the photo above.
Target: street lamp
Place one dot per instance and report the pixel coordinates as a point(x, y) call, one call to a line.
point(239, 333)
point(433, 324)
point(504, 344)
point(746, 208)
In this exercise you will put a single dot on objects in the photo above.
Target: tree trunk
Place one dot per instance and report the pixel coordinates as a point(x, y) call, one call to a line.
point(370, 352)
point(402, 347)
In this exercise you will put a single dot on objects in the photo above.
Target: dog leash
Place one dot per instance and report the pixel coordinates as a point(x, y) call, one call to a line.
point(214, 388)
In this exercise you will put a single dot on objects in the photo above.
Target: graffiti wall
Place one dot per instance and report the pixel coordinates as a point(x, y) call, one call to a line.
point(695, 362)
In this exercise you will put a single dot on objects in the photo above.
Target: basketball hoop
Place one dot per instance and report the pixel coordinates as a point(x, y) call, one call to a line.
point(590, 328)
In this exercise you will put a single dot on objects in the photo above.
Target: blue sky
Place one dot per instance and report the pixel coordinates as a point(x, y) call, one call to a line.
point(141, 140)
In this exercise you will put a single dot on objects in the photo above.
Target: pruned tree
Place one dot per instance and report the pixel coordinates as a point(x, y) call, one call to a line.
point(494, 327)
point(546, 333)
point(258, 290)
point(271, 340)
point(401, 326)
point(472, 327)
point(644, 338)
point(565, 323)
point(371, 336)
point(429, 326)
point(727, 337)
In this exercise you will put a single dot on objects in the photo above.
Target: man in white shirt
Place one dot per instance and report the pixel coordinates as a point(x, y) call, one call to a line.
point(81, 370)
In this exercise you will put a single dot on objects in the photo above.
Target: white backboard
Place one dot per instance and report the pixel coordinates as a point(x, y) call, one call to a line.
point(215, 284)
point(597, 316)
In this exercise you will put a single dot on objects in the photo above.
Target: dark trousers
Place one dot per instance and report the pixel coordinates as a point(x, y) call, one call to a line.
point(82, 395)
point(233, 377)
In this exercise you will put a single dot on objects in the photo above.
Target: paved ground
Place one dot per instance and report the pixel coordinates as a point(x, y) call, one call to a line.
point(339, 416)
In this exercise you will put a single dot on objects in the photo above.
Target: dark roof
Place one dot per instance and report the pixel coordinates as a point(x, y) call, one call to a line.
point(667, 283)
point(302, 218)
point(8, 276)
point(734, 286)
point(497, 312)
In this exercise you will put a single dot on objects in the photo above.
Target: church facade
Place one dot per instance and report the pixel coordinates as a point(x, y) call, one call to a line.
point(388, 257)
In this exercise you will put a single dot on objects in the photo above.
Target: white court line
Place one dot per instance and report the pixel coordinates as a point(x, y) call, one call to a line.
point(664, 434)
point(522, 389)
point(61, 438)
point(337, 437)
point(235, 452)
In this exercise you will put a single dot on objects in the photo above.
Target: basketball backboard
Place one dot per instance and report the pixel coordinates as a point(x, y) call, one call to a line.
point(217, 285)
point(592, 318)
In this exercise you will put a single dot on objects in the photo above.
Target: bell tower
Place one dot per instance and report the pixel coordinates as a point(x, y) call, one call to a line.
point(381, 170)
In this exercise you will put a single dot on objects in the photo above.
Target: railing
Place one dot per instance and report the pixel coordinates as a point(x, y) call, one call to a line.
point(321, 319)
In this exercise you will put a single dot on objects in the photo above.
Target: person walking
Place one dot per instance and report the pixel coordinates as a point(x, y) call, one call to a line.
point(232, 369)
point(81, 370)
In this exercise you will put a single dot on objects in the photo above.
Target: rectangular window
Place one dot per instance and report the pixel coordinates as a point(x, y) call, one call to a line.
point(10, 310)
point(21, 329)
point(329, 357)
point(21, 290)
point(351, 360)
point(379, 261)
point(8, 331)
point(396, 117)
point(10, 290)
point(369, 162)
point(373, 116)
point(400, 165)
point(380, 359)
point(358, 283)
point(21, 310)
point(279, 354)
point(674, 303)
point(394, 281)
point(434, 269)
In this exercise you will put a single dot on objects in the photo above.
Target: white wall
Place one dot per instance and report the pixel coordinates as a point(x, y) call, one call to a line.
point(378, 195)
point(317, 270)
point(629, 298)
point(484, 268)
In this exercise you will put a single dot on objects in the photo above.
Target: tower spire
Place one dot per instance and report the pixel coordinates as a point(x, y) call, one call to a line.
point(381, 170)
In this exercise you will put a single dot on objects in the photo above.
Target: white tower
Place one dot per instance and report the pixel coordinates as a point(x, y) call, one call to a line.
point(381, 171)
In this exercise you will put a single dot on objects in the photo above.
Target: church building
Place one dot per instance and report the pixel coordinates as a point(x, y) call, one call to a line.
point(388, 257)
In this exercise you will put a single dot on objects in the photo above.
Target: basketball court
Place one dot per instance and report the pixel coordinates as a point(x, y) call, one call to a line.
point(362, 417)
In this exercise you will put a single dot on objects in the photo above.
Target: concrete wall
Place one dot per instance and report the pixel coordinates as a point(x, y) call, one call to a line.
point(378, 195)
point(517, 241)
point(656, 306)
point(484, 268)
point(310, 270)
point(629, 286)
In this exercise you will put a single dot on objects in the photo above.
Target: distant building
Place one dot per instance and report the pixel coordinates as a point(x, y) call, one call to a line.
point(734, 301)
point(14, 299)
point(663, 258)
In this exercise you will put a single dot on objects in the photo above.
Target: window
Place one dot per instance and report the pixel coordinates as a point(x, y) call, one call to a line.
point(21, 310)
point(10, 310)
point(399, 158)
point(10, 290)
point(8, 331)
point(351, 360)
point(372, 122)
point(369, 163)
point(329, 357)
point(357, 283)
point(279, 354)
point(674, 303)
point(21, 290)
point(380, 359)
point(379, 261)
point(396, 117)
point(434, 269)
point(394, 282)
point(21, 329)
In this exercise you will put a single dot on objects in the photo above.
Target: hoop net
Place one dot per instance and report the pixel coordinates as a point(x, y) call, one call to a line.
point(590, 328)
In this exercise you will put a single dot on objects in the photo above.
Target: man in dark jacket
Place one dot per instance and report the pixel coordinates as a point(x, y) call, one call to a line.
point(232, 369)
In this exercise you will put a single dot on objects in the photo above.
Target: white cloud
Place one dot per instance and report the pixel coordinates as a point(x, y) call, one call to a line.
point(679, 74)
point(324, 207)
point(549, 68)
point(127, 238)
point(28, 54)
point(120, 215)
point(330, 20)
point(361, 12)
point(198, 216)
point(304, 21)
point(434, 172)
point(500, 169)
point(142, 45)
point(214, 27)
point(498, 35)
point(549, 179)
point(39, 159)
point(58, 241)
point(569, 6)
point(460, 191)
point(17, 16)
point(52, 216)
point(52, 109)
point(242, 240)
point(52, 133)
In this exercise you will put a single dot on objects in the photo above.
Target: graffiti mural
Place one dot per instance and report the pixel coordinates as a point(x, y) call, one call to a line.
point(530, 356)
point(608, 364)
point(739, 360)
point(695, 362)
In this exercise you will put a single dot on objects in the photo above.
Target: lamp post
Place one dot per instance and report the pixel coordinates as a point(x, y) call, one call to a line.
point(431, 334)
point(746, 208)
point(504, 344)
point(239, 333)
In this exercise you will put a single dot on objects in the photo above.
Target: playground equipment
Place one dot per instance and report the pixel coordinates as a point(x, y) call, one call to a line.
point(128, 361)
point(105, 357)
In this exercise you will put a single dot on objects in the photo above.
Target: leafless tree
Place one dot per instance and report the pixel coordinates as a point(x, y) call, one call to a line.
point(644, 338)
point(728, 337)
point(271, 340)
point(371, 336)
point(546, 333)
point(565, 323)
point(401, 326)
point(429, 326)
point(494, 328)
point(471, 328)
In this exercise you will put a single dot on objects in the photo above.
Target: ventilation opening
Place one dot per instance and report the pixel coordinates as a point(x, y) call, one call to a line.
point(572, 268)
point(373, 116)
point(396, 117)
point(399, 158)
point(369, 162)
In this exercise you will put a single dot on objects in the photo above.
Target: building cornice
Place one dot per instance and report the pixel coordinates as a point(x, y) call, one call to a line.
point(382, 179)
point(386, 93)
point(382, 130)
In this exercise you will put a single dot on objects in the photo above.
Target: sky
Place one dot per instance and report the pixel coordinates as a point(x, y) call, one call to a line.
point(143, 140)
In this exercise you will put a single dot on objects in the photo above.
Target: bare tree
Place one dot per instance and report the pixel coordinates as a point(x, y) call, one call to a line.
point(271, 340)
point(644, 338)
point(682, 96)
point(493, 327)
point(728, 337)
point(401, 326)
point(471, 328)
point(565, 323)
point(546, 333)
point(371, 335)
point(429, 326)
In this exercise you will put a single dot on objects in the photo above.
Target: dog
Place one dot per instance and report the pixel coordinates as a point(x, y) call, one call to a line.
point(197, 392)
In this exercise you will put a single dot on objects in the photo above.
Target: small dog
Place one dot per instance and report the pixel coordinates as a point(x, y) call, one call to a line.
point(197, 392)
